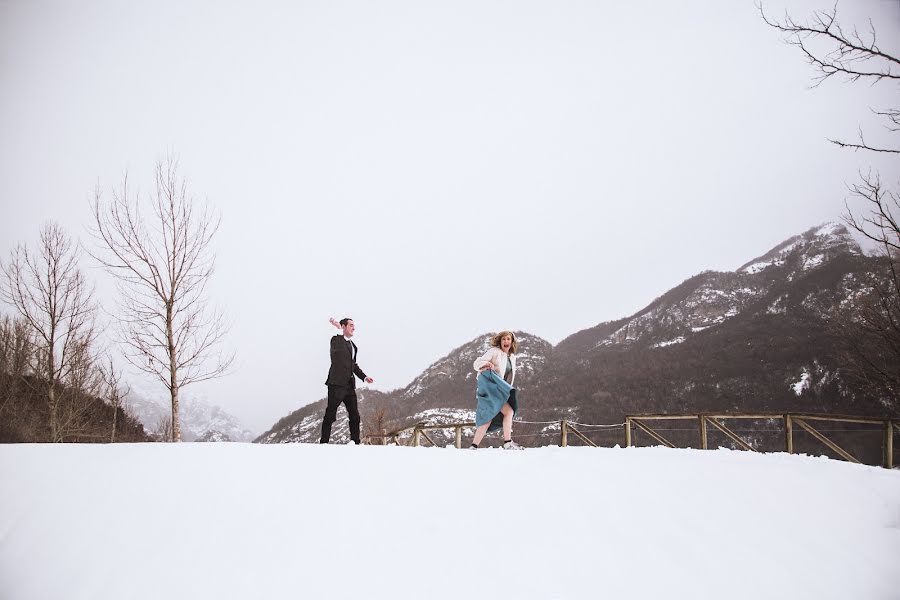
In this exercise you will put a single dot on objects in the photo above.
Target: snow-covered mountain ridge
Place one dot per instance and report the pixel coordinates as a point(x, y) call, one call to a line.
point(711, 298)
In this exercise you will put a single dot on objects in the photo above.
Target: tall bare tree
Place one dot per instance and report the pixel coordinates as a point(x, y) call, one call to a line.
point(871, 328)
point(49, 292)
point(162, 262)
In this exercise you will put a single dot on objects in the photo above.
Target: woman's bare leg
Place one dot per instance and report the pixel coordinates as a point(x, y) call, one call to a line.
point(479, 433)
point(507, 421)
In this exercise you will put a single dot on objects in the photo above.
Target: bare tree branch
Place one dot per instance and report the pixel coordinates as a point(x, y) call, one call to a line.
point(831, 51)
point(851, 55)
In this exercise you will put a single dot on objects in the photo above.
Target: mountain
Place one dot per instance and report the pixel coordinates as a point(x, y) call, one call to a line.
point(200, 420)
point(712, 298)
point(755, 339)
point(749, 340)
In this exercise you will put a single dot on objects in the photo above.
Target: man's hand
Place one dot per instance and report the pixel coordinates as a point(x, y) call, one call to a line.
point(369, 380)
point(334, 322)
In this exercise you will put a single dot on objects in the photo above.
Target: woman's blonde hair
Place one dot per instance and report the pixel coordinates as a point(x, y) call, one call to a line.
point(513, 346)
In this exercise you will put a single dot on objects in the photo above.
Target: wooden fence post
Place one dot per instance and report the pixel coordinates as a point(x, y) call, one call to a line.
point(458, 436)
point(627, 432)
point(789, 434)
point(703, 442)
point(416, 434)
point(888, 445)
point(563, 433)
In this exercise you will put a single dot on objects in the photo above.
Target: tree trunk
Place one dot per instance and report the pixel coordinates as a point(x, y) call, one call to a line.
point(173, 374)
point(112, 438)
point(54, 419)
point(176, 426)
point(52, 400)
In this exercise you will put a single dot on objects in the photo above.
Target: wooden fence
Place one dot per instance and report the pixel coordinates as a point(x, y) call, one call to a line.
point(889, 428)
point(416, 434)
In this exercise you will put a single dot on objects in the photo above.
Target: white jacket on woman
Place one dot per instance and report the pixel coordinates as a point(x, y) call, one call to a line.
point(498, 357)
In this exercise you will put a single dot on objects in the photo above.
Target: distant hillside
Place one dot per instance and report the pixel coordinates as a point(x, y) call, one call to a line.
point(25, 416)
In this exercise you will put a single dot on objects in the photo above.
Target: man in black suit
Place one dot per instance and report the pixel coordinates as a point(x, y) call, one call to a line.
point(340, 382)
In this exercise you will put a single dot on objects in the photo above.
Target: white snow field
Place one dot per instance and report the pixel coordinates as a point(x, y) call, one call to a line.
point(221, 521)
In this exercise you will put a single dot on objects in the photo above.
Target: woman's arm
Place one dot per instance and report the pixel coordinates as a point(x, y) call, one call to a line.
point(486, 360)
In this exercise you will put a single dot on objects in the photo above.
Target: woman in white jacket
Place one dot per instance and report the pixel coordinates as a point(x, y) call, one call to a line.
point(501, 359)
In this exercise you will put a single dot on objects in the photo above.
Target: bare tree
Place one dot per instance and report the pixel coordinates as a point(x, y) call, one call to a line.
point(375, 423)
point(163, 263)
point(871, 328)
point(114, 392)
point(50, 294)
point(871, 325)
point(163, 430)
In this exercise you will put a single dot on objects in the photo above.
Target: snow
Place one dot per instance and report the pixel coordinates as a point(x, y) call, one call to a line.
point(829, 229)
point(777, 307)
point(676, 340)
point(445, 415)
point(811, 262)
point(204, 521)
point(801, 385)
point(757, 267)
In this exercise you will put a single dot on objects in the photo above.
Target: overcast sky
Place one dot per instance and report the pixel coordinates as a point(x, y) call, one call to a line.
point(435, 170)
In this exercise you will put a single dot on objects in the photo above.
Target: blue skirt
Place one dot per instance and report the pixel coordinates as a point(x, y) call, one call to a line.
point(491, 394)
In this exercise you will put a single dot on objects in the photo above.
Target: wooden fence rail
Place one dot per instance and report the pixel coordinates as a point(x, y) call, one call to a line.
point(413, 435)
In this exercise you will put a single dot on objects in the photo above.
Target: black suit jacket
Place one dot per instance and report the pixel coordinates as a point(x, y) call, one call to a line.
point(343, 367)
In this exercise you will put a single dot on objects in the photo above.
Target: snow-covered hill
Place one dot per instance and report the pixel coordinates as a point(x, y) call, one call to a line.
point(239, 521)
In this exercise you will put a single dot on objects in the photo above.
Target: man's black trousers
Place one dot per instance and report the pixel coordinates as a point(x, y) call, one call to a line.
point(336, 395)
